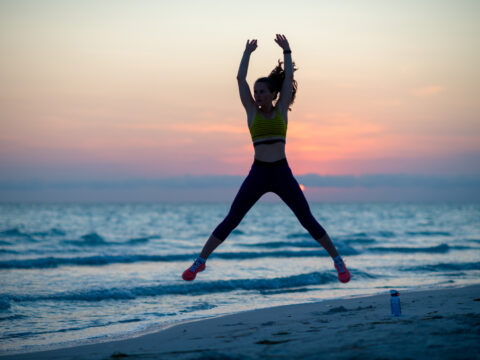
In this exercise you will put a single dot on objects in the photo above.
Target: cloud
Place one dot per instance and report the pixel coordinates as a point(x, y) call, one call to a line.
point(428, 91)
point(379, 187)
point(208, 127)
point(391, 180)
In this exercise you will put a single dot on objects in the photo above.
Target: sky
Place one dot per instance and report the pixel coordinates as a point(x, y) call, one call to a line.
point(109, 91)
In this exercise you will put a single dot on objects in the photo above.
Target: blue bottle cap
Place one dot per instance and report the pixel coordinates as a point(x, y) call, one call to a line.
point(394, 292)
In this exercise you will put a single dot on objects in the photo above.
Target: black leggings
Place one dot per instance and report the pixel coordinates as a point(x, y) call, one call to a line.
point(263, 177)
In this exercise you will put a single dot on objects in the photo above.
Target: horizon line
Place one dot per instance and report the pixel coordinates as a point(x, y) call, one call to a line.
point(227, 181)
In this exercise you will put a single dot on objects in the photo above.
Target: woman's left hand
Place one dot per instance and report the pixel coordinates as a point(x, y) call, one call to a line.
point(282, 41)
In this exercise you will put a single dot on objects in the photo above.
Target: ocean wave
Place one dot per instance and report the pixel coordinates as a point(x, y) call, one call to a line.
point(284, 291)
point(299, 235)
point(379, 233)
point(311, 243)
point(428, 233)
point(280, 253)
point(94, 239)
point(444, 267)
point(202, 306)
point(8, 251)
point(360, 234)
point(91, 239)
point(442, 248)
point(364, 238)
point(4, 303)
point(384, 233)
point(50, 232)
point(353, 240)
point(142, 240)
point(12, 317)
point(354, 237)
point(28, 334)
point(52, 262)
point(13, 232)
point(278, 244)
point(16, 233)
point(196, 288)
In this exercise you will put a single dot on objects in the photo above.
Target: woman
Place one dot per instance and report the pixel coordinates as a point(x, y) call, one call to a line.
point(270, 171)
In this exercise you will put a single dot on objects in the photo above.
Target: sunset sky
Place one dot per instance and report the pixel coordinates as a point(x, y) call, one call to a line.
point(100, 90)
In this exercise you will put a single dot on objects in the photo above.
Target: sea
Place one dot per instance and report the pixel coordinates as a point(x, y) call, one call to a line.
point(73, 274)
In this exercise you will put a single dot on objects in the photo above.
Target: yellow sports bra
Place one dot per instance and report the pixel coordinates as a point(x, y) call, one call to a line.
point(268, 131)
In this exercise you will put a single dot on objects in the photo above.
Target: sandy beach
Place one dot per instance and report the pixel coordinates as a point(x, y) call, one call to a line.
point(437, 324)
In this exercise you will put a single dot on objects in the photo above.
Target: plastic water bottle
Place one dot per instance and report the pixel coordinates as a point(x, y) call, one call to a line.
point(395, 303)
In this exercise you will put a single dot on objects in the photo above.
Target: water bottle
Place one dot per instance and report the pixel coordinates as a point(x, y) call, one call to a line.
point(395, 303)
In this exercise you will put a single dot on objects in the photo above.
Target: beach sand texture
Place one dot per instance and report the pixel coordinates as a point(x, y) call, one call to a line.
point(436, 324)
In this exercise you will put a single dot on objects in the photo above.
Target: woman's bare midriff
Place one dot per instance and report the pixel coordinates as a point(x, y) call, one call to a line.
point(270, 152)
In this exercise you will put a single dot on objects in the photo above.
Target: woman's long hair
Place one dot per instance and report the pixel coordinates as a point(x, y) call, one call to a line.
point(275, 80)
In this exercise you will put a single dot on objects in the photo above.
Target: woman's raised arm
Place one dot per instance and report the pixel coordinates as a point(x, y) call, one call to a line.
point(287, 87)
point(245, 94)
point(249, 48)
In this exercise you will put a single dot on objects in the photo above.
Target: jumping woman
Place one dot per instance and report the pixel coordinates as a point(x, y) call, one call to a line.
point(270, 171)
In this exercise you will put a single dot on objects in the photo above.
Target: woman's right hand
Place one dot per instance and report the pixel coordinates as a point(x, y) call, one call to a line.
point(251, 46)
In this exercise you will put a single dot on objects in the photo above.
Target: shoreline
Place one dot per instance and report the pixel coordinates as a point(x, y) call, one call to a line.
point(443, 323)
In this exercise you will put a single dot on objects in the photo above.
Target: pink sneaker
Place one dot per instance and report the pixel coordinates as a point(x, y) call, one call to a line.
point(343, 273)
point(191, 272)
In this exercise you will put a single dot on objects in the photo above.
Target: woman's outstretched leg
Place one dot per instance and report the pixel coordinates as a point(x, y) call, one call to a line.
point(289, 191)
point(250, 191)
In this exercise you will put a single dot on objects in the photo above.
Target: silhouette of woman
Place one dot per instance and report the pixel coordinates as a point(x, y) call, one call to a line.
point(270, 171)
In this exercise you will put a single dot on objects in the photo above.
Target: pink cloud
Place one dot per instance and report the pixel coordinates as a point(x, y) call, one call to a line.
point(427, 91)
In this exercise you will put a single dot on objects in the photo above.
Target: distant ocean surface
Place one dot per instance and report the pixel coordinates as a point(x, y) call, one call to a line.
point(75, 273)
